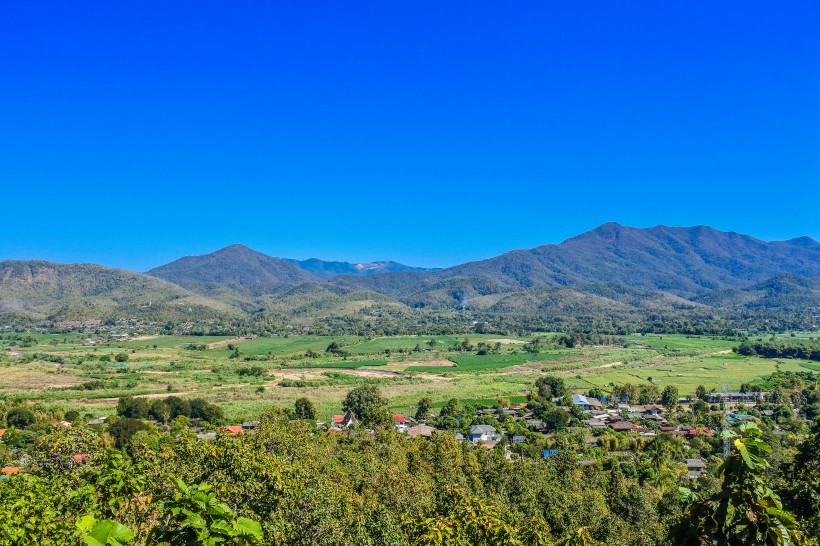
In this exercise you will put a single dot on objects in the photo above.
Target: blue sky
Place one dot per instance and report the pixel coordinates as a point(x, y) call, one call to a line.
point(432, 133)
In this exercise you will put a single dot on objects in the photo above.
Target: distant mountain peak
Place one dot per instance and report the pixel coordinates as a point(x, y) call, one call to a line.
point(802, 241)
point(323, 268)
point(237, 267)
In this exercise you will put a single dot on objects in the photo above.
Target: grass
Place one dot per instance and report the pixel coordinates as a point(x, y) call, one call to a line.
point(157, 363)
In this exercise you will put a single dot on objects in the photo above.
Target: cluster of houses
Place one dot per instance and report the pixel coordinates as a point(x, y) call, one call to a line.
point(646, 420)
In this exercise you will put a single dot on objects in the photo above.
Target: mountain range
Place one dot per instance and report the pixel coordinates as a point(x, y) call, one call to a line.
point(612, 269)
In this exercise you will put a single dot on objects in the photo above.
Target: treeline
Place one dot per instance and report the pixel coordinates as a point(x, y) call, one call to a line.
point(779, 350)
point(166, 409)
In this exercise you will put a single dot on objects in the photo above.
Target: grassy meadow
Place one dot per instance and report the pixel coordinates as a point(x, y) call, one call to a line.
point(64, 370)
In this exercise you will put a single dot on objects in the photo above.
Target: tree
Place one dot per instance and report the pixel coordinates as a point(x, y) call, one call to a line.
point(121, 357)
point(648, 394)
point(669, 398)
point(423, 409)
point(305, 409)
point(177, 406)
point(550, 387)
point(451, 409)
point(200, 409)
point(124, 428)
point(627, 390)
point(701, 394)
point(805, 482)
point(160, 411)
point(20, 418)
point(554, 419)
point(133, 408)
point(746, 511)
point(368, 405)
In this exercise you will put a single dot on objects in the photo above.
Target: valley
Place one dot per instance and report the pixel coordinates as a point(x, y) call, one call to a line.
point(66, 371)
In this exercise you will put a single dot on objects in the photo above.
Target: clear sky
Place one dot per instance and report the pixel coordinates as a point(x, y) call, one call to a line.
point(431, 133)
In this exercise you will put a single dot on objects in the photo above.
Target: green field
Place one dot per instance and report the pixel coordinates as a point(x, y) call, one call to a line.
point(275, 370)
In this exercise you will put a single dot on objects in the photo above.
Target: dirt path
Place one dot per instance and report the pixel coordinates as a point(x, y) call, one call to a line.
point(226, 342)
point(507, 341)
point(610, 365)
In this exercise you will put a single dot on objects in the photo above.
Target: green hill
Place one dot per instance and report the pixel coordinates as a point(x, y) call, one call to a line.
point(40, 289)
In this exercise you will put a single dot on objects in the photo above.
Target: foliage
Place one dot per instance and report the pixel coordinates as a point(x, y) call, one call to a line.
point(20, 418)
point(305, 409)
point(368, 405)
point(746, 511)
point(195, 516)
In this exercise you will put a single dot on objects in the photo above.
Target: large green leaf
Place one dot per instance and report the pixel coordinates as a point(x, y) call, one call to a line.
point(248, 527)
point(108, 533)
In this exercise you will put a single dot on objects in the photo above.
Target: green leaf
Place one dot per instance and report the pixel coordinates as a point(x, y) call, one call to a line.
point(85, 523)
point(108, 533)
point(223, 527)
point(248, 527)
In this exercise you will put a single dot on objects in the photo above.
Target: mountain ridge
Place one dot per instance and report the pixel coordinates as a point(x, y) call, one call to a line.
point(624, 269)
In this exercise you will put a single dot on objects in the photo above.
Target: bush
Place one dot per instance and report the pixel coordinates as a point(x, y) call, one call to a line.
point(20, 418)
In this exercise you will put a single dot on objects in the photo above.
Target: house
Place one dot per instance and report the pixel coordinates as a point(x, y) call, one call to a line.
point(344, 421)
point(9, 470)
point(652, 410)
point(484, 433)
point(595, 424)
point(622, 426)
point(586, 403)
point(250, 425)
point(2, 433)
point(202, 436)
point(98, 421)
point(401, 421)
point(696, 468)
point(424, 431)
point(715, 397)
point(233, 430)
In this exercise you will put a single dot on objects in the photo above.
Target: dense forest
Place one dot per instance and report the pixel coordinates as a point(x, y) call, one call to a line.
point(145, 477)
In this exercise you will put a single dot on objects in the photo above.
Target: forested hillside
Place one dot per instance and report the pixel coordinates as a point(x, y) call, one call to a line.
point(631, 275)
point(70, 292)
point(235, 268)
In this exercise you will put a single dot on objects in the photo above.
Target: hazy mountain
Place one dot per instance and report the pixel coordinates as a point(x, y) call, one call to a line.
point(233, 269)
point(322, 268)
point(42, 289)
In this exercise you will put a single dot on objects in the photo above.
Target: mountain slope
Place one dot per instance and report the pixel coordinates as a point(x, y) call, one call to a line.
point(79, 291)
point(784, 293)
point(683, 261)
point(234, 269)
